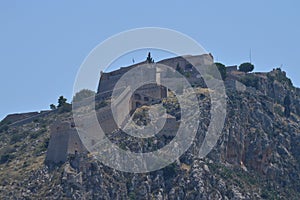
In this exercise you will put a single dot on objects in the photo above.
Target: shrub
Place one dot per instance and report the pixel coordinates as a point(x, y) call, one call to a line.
point(61, 101)
point(188, 74)
point(4, 158)
point(222, 70)
point(170, 171)
point(52, 107)
point(246, 67)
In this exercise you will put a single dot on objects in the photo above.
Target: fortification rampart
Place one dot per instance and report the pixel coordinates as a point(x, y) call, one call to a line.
point(24, 118)
point(64, 137)
point(64, 140)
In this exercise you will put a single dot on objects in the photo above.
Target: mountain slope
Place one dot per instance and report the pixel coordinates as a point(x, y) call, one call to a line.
point(256, 157)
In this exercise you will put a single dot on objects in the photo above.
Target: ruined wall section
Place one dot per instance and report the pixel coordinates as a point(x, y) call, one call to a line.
point(57, 148)
point(64, 140)
point(170, 127)
point(109, 79)
point(64, 137)
point(183, 61)
point(185, 65)
point(19, 116)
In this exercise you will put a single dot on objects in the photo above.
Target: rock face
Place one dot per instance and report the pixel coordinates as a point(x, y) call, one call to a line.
point(256, 156)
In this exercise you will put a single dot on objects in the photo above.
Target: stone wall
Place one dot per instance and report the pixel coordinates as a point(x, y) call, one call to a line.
point(231, 68)
point(64, 140)
point(108, 80)
point(170, 127)
point(18, 116)
point(24, 118)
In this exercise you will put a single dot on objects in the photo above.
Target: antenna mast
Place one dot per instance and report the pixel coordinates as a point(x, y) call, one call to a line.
point(250, 56)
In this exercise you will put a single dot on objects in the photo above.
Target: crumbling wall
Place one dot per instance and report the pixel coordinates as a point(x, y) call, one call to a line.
point(64, 140)
point(64, 136)
point(19, 116)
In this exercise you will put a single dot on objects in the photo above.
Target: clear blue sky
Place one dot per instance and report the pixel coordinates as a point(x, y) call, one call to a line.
point(43, 43)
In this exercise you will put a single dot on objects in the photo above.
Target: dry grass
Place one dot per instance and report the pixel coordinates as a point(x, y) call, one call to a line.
point(185, 167)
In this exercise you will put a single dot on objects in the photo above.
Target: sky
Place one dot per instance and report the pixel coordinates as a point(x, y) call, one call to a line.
point(43, 43)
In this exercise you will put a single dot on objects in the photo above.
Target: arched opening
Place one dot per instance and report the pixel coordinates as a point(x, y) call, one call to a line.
point(137, 97)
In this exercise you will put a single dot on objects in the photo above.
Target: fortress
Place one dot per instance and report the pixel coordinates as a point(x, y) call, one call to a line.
point(64, 139)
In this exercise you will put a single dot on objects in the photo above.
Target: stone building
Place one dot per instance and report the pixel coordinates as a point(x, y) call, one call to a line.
point(231, 68)
point(65, 141)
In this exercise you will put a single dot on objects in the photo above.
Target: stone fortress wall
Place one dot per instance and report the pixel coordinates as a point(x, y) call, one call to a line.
point(20, 119)
point(64, 138)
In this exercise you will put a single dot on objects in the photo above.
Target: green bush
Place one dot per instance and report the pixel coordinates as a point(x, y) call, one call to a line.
point(170, 171)
point(188, 74)
point(246, 67)
point(6, 158)
point(222, 70)
point(61, 101)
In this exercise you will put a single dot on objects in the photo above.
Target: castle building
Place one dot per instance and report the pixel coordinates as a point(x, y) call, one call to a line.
point(64, 139)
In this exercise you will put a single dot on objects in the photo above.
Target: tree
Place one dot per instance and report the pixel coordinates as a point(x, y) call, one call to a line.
point(149, 58)
point(52, 107)
point(246, 67)
point(83, 94)
point(222, 70)
point(61, 101)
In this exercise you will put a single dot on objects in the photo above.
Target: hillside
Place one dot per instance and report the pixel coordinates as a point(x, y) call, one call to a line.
point(256, 157)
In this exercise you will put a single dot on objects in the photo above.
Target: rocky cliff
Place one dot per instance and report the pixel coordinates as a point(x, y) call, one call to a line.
point(256, 157)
